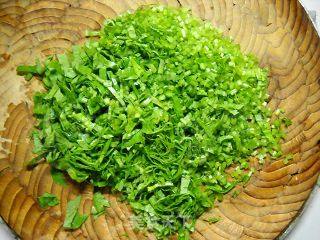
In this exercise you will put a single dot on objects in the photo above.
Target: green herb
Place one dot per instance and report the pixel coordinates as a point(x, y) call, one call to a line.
point(158, 108)
point(99, 205)
point(58, 177)
point(287, 159)
point(235, 193)
point(125, 235)
point(48, 200)
point(73, 219)
point(213, 220)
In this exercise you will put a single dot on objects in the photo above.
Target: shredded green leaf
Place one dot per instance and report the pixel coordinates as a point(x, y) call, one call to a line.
point(213, 220)
point(159, 108)
point(287, 159)
point(48, 200)
point(74, 219)
point(99, 205)
point(58, 177)
point(235, 193)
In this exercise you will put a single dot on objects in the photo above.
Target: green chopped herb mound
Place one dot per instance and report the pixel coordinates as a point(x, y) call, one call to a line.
point(162, 108)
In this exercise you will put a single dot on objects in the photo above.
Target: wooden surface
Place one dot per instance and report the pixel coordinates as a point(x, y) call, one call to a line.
point(277, 31)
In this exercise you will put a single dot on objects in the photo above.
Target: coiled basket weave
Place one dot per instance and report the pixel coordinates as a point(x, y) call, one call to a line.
point(279, 32)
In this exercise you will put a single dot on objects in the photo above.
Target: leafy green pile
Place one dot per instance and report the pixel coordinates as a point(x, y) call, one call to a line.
point(158, 109)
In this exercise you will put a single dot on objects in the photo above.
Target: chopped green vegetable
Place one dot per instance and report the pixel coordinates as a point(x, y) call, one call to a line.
point(73, 219)
point(159, 108)
point(58, 177)
point(235, 193)
point(287, 159)
point(48, 200)
point(125, 235)
point(213, 220)
point(99, 205)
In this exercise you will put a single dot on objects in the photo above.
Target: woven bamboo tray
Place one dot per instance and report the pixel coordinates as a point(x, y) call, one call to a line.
point(279, 32)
